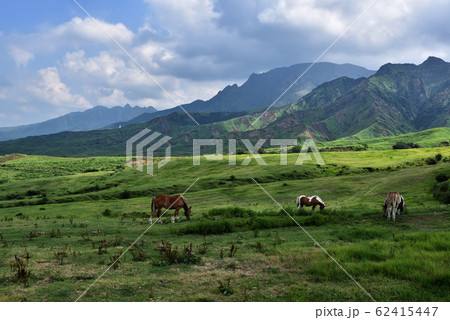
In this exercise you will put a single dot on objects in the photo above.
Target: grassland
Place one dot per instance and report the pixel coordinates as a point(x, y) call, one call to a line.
point(67, 219)
point(427, 138)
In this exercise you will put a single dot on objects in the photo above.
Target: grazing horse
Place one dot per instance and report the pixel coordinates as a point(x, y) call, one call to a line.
point(393, 203)
point(170, 202)
point(310, 201)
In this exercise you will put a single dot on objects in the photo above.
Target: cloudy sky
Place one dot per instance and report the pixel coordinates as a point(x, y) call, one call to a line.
point(54, 59)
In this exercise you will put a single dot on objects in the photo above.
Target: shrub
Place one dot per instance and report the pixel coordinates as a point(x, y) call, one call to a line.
point(107, 213)
point(125, 194)
point(438, 157)
point(360, 147)
point(405, 145)
point(206, 227)
point(430, 161)
point(295, 149)
point(441, 177)
point(232, 212)
point(240, 151)
point(441, 192)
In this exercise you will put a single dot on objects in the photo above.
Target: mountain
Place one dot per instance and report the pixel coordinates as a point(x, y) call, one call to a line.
point(94, 118)
point(398, 98)
point(261, 90)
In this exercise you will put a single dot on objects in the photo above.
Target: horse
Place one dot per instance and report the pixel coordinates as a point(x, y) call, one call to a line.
point(175, 202)
point(310, 201)
point(393, 203)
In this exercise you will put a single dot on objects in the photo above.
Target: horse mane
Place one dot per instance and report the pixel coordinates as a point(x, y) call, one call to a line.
point(318, 199)
point(185, 204)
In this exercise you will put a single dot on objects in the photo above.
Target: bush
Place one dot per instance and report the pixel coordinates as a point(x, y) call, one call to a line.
point(430, 161)
point(295, 149)
point(240, 151)
point(231, 212)
point(405, 145)
point(438, 157)
point(441, 192)
point(107, 213)
point(207, 227)
point(441, 177)
point(360, 147)
point(125, 194)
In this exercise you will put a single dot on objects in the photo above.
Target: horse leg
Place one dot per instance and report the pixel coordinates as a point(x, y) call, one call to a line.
point(314, 207)
point(159, 214)
point(175, 215)
point(151, 217)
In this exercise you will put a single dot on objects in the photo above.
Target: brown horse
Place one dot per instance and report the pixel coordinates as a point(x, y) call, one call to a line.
point(310, 201)
point(170, 203)
point(393, 203)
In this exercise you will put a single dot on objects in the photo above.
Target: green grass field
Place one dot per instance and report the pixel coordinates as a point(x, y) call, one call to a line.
point(67, 219)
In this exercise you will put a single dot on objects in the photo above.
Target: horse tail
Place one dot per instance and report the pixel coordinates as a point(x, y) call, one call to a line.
point(153, 205)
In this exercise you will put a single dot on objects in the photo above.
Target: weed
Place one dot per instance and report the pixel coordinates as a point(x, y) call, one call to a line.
point(138, 251)
point(20, 269)
point(116, 241)
point(55, 233)
point(225, 287)
point(59, 256)
point(115, 259)
point(259, 247)
point(233, 250)
point(85, 236)
point(202, 248)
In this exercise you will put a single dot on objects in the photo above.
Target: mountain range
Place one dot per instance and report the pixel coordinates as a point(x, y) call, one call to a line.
point(90, 119)
point(261, 90)
point(398, 98)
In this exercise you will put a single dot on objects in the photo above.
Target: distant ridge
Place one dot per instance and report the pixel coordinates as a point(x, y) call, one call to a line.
point(95, 118)
point(261, 90)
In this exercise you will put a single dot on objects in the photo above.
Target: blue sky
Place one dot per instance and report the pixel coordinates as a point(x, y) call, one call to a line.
point(54, 59)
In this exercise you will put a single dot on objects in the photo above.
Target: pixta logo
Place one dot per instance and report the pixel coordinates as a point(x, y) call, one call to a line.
point(144, 141)
point(253, 151)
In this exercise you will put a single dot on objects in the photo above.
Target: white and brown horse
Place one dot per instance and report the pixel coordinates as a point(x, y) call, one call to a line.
point(310, 201)
point(393, 203)
point(175, 202)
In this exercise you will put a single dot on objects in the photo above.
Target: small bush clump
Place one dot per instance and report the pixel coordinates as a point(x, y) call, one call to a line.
point(206, 228)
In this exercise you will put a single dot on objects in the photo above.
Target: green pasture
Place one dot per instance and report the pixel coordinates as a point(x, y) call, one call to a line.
point(67, 219)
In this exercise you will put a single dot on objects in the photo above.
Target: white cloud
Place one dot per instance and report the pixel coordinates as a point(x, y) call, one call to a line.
point(20, 56)
point(88, 29)
point(51, 89)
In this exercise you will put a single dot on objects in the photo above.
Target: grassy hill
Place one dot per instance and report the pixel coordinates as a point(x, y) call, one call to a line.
point(67, 219)
point(427, 139)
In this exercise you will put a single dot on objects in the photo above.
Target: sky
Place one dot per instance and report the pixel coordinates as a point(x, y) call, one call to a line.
point(56, 59)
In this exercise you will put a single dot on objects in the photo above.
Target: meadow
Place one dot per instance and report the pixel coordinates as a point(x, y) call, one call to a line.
point(63, 221)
